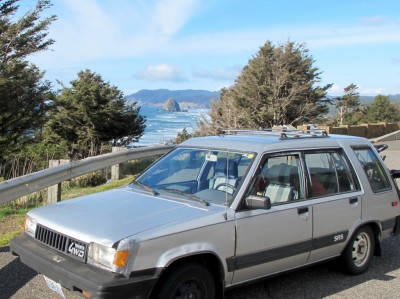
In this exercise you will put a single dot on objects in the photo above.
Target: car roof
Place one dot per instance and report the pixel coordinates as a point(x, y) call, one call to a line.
point(260, 141)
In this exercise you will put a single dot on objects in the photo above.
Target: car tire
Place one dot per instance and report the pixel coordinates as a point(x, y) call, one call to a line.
point(358, 254)
point(188, 281)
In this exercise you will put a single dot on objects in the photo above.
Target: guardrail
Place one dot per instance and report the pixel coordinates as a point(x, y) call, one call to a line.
point(24, 185)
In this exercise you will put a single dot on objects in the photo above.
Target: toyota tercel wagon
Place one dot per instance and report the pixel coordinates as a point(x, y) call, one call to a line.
point(217, 212)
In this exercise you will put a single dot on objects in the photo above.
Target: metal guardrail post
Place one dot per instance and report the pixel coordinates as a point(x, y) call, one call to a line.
point(116, 169)
point(54, 192)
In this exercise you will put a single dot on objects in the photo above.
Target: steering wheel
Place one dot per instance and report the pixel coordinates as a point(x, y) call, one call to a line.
point(227, 186)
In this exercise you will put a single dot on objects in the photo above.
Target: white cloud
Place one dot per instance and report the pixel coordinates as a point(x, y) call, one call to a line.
point(221, 74)
point(104, 34)
point(374, 91)
point(335, 90)
point(170, 15)
point(161, 72)
point(373, 21)
point(92, 30)
point(354, 36)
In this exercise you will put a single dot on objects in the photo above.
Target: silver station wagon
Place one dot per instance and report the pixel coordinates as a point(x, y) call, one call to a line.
point(217, 212)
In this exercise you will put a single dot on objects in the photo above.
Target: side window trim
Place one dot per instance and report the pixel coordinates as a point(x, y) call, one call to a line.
point(376, 162)
point(349, 169)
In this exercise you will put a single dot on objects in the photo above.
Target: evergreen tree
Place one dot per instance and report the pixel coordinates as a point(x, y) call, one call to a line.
point(276, 87)
point(382, 110)
point(24, 95)
point(348, 105)
point(91, 114)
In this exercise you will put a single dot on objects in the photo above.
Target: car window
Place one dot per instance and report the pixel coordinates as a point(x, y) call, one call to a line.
point(183, 165)
point(373, 169)
point(346, 180)
point(279, 178)
point(208, 174)
point(328, 173)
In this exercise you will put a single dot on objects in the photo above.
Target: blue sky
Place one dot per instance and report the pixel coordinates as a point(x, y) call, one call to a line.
point(204, 44)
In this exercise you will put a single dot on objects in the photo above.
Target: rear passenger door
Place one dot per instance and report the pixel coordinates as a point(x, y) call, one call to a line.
point(336, 199)
point(276, 239)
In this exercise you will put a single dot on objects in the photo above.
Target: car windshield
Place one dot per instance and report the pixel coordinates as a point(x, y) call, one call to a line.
point(205, 175)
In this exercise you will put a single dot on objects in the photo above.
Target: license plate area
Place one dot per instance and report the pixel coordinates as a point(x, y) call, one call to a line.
point(54, 286)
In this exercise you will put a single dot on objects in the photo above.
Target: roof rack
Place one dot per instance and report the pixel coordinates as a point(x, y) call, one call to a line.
point(284, 134)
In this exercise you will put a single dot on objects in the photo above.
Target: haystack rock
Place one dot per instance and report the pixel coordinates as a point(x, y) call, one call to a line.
point(171, 106)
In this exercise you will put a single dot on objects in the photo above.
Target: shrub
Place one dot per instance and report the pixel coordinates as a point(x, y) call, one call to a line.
point(91, 179)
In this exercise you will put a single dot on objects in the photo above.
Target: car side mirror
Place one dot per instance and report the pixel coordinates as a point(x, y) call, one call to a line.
point(258, 202)
point(395, 173)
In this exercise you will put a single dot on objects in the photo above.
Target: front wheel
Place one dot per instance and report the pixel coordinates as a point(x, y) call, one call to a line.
point(190, 281)
point(358, 254)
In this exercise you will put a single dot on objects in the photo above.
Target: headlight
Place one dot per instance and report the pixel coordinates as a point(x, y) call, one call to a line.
point(30, 225)
point(101, 256)
point(118, 260)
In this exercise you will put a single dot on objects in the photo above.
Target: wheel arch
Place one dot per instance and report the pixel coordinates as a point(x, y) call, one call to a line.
point(207, 260)
point(376, 229)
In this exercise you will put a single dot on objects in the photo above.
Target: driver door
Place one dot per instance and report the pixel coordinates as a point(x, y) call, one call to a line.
point(276, 239)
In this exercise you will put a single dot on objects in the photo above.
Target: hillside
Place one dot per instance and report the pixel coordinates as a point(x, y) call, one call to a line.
point(186, 98)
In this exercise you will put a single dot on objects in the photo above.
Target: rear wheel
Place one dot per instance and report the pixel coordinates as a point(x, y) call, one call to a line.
point(190, 281)
point(358, 254)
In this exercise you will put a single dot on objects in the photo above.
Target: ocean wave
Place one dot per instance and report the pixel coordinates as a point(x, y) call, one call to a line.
point(164, 126)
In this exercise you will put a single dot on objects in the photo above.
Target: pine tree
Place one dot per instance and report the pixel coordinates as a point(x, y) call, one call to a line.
point(348, 105)
point(276, 87)
point(382, 110)
point(91, 114)
point(24, 95)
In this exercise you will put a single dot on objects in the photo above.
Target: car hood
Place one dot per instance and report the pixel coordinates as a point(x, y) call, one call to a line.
point(110, 216)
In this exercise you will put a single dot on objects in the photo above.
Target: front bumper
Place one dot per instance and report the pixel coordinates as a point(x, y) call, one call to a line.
point(78, 276)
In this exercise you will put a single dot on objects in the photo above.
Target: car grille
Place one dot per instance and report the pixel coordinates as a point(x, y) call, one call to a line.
point(60, 242)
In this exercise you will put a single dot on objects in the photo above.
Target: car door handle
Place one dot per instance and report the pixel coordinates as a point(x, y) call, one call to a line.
point(353, 200)
point(302, 210)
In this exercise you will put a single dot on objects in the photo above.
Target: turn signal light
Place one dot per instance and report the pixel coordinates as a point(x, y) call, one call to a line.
point(120, 258)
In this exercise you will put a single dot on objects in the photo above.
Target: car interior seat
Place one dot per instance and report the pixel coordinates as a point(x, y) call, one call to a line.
point(225, 175)
point(279, 188)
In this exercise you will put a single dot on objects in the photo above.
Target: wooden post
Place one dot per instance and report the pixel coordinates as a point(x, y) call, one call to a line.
point(116, 169)
point(54, 192)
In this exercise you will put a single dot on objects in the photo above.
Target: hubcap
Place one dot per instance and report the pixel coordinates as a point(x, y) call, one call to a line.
point(189, 290)
point(361, 248)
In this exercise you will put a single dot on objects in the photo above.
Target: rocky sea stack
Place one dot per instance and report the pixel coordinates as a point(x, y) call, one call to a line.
point(171, 106)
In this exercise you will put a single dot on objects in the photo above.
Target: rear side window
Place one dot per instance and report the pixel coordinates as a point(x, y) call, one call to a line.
point(373, 169)
point(328, 173)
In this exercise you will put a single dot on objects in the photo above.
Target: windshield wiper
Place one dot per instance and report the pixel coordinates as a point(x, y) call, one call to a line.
point(189, 196)
point(146, 187)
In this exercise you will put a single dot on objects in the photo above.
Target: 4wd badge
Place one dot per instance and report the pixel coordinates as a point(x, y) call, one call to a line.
point(76, 249)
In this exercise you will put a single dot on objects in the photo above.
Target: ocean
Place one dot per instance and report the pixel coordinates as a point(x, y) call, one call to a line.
point(162, 126)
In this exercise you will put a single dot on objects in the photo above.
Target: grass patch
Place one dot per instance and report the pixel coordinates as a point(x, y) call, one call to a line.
point(5, 238)
point(77, 191)
point(7, 211)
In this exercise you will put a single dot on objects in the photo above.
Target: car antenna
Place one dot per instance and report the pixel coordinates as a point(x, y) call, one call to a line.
point(227, 165)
